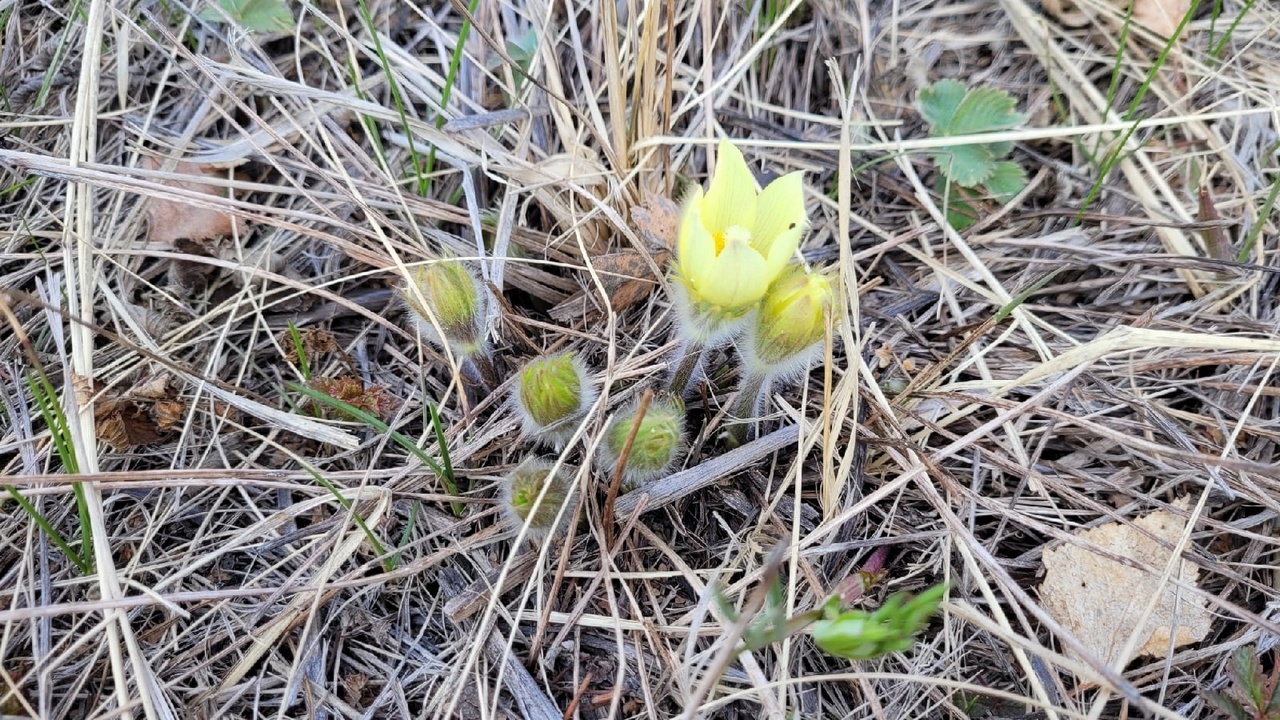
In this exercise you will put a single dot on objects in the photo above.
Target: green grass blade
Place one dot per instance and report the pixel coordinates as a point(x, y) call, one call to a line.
point(79, 561)
point(1250, 241)
point(376, 423)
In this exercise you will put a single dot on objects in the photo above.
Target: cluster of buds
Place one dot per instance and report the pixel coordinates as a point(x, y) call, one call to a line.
point(551, 394)
point(736, 275)
point(862, 635)
point(656, 442)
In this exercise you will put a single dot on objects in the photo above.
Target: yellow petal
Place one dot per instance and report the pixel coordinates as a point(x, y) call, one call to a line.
point(695, 248)
point(731, 197)
point(780, 220)
point(736, 278)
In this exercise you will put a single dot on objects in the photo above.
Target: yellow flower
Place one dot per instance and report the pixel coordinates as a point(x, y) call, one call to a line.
point(734, 241)
point(789, 325)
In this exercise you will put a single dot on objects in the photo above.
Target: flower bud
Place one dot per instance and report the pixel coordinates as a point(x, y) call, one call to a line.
point(456, 301)
point(789, 325)
point(520, 497)
point(657, 445)
point(550, 393)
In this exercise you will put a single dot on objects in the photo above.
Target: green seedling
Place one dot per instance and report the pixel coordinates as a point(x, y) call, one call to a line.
point(953, 110)
point(1253, 694)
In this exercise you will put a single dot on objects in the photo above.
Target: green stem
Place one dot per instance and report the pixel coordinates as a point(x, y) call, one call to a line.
point(690, 356)
point(745, 405)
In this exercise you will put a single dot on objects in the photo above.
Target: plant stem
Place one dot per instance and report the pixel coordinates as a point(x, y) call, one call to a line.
point(745, 406)
point(690, 356)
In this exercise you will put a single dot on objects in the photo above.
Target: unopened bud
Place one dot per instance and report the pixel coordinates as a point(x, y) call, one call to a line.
point(789, 325)
point(551, 392)
point(534, 479)
point(455, 299)
point(658, 441)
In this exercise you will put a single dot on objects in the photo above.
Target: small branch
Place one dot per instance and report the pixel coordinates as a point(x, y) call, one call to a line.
point(616, 482)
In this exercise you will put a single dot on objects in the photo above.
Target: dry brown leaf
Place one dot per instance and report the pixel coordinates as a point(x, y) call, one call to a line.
point(172, 220)
point(137, 416)
point(1160, 16)
point(1100, 600)
point(628, 276)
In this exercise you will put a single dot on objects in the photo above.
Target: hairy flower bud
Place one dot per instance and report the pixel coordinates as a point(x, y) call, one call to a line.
point(448, 292)
point(551, 392)
point(789, 325)
point(532, 479)
point(657, 445)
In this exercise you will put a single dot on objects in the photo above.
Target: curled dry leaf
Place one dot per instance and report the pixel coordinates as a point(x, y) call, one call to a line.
point(1100, 600)
point(136, 416)
point(170, 220)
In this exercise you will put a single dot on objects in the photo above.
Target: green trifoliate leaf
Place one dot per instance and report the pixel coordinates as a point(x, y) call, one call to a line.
point(985, 110)
point(966, 165)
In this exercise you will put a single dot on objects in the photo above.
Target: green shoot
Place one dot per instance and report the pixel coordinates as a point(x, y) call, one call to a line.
point(1265, 213)
point(862, 635)
point(304, 364)
point(444, 472)
point(84, 564)
point(421, 173)
point(387, 563)
point(60, 434)
point(1226, 37)
point(455, 61)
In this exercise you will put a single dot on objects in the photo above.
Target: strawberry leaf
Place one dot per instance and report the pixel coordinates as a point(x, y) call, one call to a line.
point(985, 110)
point(1006, 181)
point(255, 15)
point(939, 102)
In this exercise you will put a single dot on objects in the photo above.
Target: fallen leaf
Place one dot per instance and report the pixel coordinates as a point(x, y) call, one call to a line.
point(170, 220)
point(137, 416)
point(1160, 16)
point(373, 399)
point(1100, 600)
point(657, 220)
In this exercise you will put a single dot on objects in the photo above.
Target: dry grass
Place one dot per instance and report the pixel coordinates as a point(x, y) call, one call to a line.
point(231, 584)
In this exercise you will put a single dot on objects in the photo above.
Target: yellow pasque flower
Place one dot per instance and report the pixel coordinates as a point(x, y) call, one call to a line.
point(734, 240)
point(789, 324)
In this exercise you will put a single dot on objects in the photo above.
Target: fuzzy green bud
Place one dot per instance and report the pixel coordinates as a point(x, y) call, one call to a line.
point(550, 393)
point(456, 301)
point(658, 442)
point(789, 324)
point(534, 478)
